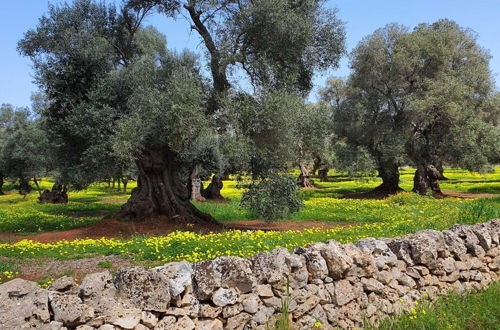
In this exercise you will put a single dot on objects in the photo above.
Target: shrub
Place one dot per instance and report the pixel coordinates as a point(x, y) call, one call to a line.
point(272, 198)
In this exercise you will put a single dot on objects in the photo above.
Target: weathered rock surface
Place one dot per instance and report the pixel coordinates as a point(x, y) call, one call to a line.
point(338, 285)
point(23, 305)
point(146, 289)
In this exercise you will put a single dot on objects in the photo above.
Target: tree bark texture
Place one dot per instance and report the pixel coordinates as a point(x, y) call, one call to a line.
point(214, 188)
point(389, 173)
point(323, 174)
point(440, 169)
point(58, 195)
point(161, 192)
point(304, 179)
point(426, 179)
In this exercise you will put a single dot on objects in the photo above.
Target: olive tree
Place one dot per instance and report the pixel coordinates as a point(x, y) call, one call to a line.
point(420, 97)
point(23, 149)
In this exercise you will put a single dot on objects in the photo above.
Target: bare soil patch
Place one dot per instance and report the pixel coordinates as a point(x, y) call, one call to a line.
point(114, 228)
point(463, 194)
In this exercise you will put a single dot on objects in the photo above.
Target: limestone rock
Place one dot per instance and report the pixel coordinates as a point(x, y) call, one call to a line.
point(263, 314)
point(97, 285)
point(483, 235)
point(210, 311)
point(315, 263)
point(264, 290)
point(273, 267)
point(69, 309)
point(345, 292)
point(231, 310)
point(149, 319)
point(179, 275)
point(337, 261)
point(208, 324)
point(223, 297)
point(306, 306)
point(147, 289)
point(23, 305)
point(235, 273)
point(238, 322)
point(166, 323)
point(183, 323)
point(129, 322)
point(372, 285)
point(64, 284)
point(205, 279)
point(455, 244)
point(251, 304)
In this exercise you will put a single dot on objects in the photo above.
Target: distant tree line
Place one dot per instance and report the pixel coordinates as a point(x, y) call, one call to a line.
point(115, 105)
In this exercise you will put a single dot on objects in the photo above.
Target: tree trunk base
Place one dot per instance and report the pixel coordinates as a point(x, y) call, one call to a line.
point(58, 195)
point(427, 179)
point(388, 189)
point(305, 182)
point(213, 189)
point(182, 212)
point(161, 192)
point(323, 174)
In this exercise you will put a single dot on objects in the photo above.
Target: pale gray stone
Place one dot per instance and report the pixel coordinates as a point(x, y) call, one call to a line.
point(23, 305)
point(179, 275)
point(129, 322)
point(223, 297)
point(147, 289)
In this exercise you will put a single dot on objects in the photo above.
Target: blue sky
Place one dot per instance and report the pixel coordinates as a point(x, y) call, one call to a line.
point(362, 17)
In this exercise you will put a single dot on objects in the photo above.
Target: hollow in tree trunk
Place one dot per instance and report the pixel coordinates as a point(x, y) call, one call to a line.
point(389, 173)
point(160, 191)
point(58, 195)
point(426, 179)
point(213, 189)
point(304, 179)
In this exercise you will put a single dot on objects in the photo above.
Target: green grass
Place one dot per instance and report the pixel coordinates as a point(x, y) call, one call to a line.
point(26, 215)
point(193, 247)
point(105, 264)
point(325, 203)
point(477, 310)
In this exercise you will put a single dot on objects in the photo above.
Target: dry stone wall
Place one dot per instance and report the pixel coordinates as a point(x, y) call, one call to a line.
point(337, 285)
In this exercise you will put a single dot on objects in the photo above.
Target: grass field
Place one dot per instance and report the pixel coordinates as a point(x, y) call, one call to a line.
point(349, 220)
point(356, 218)
point(25, 215)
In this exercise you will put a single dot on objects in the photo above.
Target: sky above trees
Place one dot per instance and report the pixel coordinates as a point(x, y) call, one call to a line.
point(361, 17)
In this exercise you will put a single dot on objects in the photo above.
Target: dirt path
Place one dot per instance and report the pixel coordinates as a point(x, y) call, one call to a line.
point(119, 229)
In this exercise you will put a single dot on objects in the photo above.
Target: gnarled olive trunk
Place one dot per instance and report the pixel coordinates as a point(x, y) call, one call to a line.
point(323, 174)
point(161, 192)
point(214, 188)
point(58, 195)
point(389, 173)
point(426, 179)
point(440, 168)
point(304, 179)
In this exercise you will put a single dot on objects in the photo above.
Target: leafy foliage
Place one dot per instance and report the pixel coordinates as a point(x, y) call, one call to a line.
point(272, 198)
